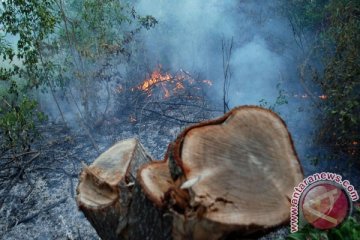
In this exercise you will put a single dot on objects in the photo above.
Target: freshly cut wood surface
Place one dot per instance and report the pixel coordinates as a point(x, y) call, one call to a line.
point(242, 168)
point(155, 180)
point(112, 199)
point(112, 165)
point(99, 182)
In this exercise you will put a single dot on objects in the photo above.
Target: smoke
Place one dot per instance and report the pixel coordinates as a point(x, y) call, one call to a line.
point(264, 58)
point(256, 72)
point(190, 33)
point(264, 62)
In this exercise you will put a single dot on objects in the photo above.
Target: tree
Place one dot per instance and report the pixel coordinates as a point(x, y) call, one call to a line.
point(97, 38)
point(336, 69)
point(77, 46)
point(28, 24)
point(340, 81)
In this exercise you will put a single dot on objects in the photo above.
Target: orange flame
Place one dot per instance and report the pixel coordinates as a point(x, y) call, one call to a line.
point(179, 85)
point(323, 97)
point(156, 77)
point(168, 83)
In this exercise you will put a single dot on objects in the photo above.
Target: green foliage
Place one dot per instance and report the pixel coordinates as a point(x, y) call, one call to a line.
point(98, 29)
point(98, 26)
point(350, 229)
point(340, 81)
point(98, 38)
point(28, 23)
point(337, 45)
point(147, 21)
point(51, 43)
point(18, 124)
point(25, 25)
point(304, 15)
point(280, 100)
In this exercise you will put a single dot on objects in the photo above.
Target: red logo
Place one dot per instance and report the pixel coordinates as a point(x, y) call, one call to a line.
point(325, 205)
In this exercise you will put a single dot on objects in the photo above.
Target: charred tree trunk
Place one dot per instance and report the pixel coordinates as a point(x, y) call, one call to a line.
point(220, 179)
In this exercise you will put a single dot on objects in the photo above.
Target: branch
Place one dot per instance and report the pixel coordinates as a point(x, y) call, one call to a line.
point(34, 215)
point(166, 116)
point(226, 55)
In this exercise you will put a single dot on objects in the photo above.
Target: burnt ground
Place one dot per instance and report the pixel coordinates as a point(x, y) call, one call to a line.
point(38, 189)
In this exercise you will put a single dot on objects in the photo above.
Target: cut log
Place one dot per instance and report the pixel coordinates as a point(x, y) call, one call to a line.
point(220, 179)
point(239, 170)
point(112, 200)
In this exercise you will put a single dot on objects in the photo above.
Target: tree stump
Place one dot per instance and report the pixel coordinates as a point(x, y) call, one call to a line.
point(220, 179)
point(111, 198)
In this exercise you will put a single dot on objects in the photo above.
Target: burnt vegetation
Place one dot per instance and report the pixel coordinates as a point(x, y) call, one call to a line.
point(77, 76)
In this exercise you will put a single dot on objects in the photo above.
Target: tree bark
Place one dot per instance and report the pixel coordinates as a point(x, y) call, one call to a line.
point(111, 198)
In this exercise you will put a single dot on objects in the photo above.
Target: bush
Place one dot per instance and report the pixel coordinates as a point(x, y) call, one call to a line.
point(18, 124)
point(349, 229)
point(340, 81)
point(335, 25)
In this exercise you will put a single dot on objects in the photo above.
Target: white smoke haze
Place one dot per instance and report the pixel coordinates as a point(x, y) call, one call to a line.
point(256, 70)
point(264, 64)
point(264, 59)
point(189, 35)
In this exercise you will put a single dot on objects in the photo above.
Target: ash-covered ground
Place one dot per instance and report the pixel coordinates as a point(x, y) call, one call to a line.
point(38, 189)
point(41, 203)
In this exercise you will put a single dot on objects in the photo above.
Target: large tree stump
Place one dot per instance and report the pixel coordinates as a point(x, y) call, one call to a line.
point(112, 200)
point(231, 176)
point(220, 179)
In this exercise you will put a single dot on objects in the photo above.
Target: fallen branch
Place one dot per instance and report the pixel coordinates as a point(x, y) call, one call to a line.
point(19, 155)
point(17, 177)
point(167, 116)
point(172, 104)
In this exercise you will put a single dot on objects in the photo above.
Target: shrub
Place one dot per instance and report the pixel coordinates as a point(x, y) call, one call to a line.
point(18, 124)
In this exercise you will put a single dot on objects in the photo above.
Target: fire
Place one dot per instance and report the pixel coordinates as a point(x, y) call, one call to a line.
point(167, 93)
point(155, 77)
point(179, 85)
point(323, 97)
point(168, 84)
